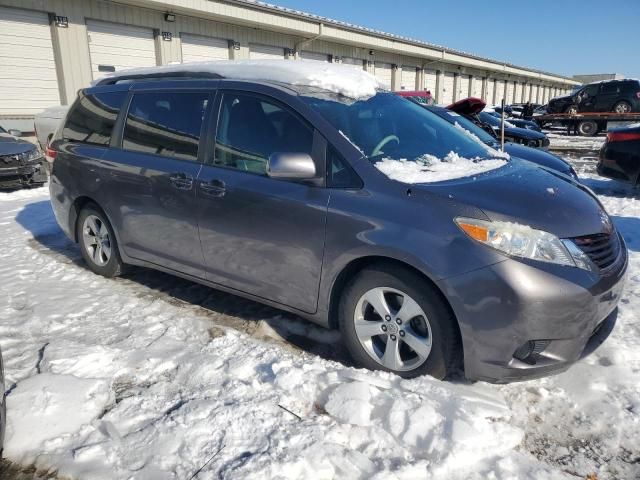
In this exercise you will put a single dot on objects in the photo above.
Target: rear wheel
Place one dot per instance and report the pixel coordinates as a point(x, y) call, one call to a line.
point(392, 319)
point(98, 242)
point(588, 128)
point(622, 107)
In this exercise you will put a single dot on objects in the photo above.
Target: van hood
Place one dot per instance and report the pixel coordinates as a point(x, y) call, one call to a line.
point(10, 145)
point(524, 193)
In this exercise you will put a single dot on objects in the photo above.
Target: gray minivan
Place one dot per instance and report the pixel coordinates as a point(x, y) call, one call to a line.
point(274, 191)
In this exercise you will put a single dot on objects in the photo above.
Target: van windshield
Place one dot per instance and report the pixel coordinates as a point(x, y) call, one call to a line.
point(389, 126)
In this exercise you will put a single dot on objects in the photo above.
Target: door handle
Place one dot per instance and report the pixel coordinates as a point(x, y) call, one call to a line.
point(213, 188)
point(181, 181)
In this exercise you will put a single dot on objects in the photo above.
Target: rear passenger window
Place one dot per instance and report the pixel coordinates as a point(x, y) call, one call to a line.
point(92, 119)
point(165, 123)
point(251, 128)
point(610, 88)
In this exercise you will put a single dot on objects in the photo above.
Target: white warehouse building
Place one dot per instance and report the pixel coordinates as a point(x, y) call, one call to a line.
point(51, 48)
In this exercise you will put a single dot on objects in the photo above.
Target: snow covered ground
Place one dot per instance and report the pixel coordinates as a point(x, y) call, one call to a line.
point(152, 377)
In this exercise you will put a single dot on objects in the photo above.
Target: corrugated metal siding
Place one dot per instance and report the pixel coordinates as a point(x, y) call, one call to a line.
point(476, 87)
point(265, 52)
point(355, 62)
point(491, 91)
point(384, 73)
point(447, 88)
point(509, 92)
point(119, 46)
point(464, 83)
point(234, 22)
point(500, 91)
point(314, 56)
point(430, 80)
point(408, 78)
point(198, 48)
point(28, 79)
point(519, 90)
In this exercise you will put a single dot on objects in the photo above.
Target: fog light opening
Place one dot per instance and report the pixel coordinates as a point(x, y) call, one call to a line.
point(530, 350)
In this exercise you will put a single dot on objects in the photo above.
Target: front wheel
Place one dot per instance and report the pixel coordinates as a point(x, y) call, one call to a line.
point(98, 242)
point(571, 109)
point(392, 319)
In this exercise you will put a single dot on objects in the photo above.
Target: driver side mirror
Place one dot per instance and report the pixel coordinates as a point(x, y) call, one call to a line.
point(291, 166)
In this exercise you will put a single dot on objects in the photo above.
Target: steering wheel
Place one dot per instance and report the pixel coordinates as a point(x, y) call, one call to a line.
point(383, 142)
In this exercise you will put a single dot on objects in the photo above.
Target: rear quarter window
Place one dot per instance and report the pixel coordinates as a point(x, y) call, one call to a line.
point(92, 118)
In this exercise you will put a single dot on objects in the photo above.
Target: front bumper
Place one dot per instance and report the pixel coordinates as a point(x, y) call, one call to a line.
point(23, 175)
point(503, 307)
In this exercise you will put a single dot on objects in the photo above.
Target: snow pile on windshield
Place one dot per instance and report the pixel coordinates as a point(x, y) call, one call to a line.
point(492, 151)
point(340, 79)
point(429, 168)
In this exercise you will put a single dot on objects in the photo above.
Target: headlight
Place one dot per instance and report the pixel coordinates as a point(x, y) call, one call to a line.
point(525, 242)
point(31, 155)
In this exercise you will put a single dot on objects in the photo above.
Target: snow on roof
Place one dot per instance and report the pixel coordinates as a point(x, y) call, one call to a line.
point(336, 78)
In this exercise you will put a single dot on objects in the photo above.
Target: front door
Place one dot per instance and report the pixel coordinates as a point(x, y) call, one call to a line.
point(261, 235)
point(152, 179)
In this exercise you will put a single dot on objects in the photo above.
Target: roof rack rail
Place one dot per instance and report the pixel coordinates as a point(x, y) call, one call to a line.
point(173, 75)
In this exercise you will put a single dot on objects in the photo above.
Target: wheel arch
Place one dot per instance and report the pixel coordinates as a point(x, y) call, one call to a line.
point(76, 207)
point(355, 266)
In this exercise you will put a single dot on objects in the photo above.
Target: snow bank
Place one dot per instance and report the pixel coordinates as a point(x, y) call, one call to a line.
point(430, 169)
point(340, 79)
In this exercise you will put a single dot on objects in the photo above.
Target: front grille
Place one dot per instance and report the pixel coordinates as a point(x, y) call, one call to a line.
point(11, 161)
point(603, 248)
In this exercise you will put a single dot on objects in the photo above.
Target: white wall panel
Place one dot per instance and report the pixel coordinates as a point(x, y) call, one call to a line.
point(28, 79)
point(198, 48)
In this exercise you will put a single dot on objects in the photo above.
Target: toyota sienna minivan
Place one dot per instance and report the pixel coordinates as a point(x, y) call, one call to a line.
point(276, 182)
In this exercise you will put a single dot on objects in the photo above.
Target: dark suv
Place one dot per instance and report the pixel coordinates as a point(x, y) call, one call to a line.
point(619, 96)
point(425, 247)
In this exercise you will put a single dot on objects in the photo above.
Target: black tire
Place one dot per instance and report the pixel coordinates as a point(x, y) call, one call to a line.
point(622, 107)
point(446, 352)
point(113, 266)
point(588, 128)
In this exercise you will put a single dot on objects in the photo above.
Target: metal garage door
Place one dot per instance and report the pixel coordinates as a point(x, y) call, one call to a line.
point(463, 86)
point(28, 79)
point(447, 89)
point(265, 52)
point(198, 48)
point(383, 72)
point(115, 46)
point(491, 90)
point(354, 62)
point(518, 93)
point(476, 87)
point(500, 91)
point(408, 78)
point(508, 98)
point(316, 57)
point(430, 80)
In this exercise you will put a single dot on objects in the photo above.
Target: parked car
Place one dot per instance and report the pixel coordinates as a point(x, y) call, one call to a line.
point(253, 182)
point(21, 162)
point(620, 155)
point(516, 122)
point(533, 155)
point(46, 123)
point(472, 108)
point(619, 96)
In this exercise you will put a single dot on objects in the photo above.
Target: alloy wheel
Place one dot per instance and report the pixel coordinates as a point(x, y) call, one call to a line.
point(393, 329)
point(622, 108)
point(96, 240)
